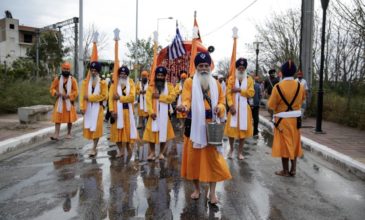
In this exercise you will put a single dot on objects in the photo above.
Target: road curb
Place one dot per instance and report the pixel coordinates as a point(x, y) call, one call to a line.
point(15, 143)
point(327, 153)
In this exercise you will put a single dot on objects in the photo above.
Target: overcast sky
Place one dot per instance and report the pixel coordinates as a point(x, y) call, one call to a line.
point(110, 14)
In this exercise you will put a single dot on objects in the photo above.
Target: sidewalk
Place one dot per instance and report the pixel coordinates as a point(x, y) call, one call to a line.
point(14, 135)
point(339, 143)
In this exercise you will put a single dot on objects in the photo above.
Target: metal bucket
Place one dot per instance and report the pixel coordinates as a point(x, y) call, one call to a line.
point(215, 133)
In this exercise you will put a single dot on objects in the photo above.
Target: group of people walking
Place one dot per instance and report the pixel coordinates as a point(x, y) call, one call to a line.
point(200, 99)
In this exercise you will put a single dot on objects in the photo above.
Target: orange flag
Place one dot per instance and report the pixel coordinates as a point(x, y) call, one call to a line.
point(153, 67)
point(116, 66)
point(232, 66)
point(194, 46)
point(94, 57)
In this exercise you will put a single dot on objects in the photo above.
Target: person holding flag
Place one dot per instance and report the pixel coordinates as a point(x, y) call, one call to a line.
point(159, 128)
point(239, 90)
point(94, 92)
point(203, 101)
point(178, 90)
point(65, 89)
point(141, 90)
point(121, 99)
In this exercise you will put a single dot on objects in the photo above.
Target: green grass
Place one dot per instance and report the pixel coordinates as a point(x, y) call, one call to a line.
point(20, 93)
point(340, 109)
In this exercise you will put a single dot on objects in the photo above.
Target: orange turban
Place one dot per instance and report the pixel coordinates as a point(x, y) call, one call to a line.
point(183, 76)
point(66, 66)
point(144, 73)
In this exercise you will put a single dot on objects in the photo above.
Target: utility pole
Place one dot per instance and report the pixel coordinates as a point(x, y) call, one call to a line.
point(306, 41)
point(320, 89)
point(37, 31)
point(81, 38)
point(257, 56)
point(76, 21)
point(137, 64)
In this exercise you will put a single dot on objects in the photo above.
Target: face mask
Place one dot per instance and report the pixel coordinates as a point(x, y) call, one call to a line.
point(160, 83)
point(65, 73)
point(144, 80)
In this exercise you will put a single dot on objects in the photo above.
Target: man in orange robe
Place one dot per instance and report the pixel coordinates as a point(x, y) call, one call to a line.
point(141, 90)
point(65, 89)
point(239, 121)
point(178, 90)
point(159, 128)
point(203, 100)
point(123, 130)
point(286, 100)
point(93, 96)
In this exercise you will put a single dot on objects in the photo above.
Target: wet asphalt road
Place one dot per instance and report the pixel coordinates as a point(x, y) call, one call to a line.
point(56, 180)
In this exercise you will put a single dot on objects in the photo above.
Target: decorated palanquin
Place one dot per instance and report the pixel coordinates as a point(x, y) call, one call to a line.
point(174, 66)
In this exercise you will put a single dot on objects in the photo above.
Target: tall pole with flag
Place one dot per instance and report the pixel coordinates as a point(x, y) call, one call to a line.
point(232, 66)
point(94, 57)
point(153, 67)
point(194, 46)
point(176, 49)
point(116, 65)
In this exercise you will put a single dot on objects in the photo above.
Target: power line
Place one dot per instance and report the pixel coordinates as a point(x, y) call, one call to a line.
point(234, 17)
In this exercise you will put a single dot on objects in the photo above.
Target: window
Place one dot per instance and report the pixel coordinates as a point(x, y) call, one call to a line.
point(28, 38)
point(11, 26)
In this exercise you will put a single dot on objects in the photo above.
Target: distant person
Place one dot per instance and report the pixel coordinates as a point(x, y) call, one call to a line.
point(270, 82)
point(256, 106)
point(302, 81)
point(239, 121)
point(222, 82)
point(178, 91)
point(108, 82)
point(141, 90)
point(65, 89)
point(215, 76)
point(286, 100)
point(93, 95)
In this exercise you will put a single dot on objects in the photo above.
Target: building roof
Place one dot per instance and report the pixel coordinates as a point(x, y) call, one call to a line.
point(26, 28)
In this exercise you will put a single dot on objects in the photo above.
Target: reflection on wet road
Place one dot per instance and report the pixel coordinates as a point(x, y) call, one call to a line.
point(59, 181)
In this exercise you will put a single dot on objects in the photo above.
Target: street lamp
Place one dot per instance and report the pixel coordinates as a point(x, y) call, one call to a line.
point(320, 89)
point(257, 56)
point(158, 20)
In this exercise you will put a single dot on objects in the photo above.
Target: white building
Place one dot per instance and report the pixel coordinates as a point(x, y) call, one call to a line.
point(15, 39)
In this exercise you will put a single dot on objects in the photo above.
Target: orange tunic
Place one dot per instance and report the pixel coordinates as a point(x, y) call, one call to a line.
point(178, 92)
point(141, 113)
point(248, 93)
point(103, 96)
point(122, 135)
point(286, 141)
point(65, 116)
point(149, 135)
point(206, 164)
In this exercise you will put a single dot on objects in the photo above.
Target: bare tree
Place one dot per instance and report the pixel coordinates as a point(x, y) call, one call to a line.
point(69, 36)
point(280, 35)
point(223, 66)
